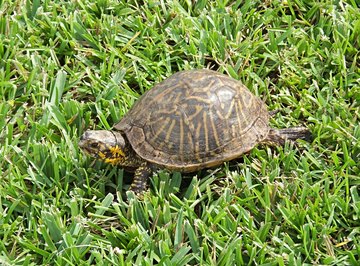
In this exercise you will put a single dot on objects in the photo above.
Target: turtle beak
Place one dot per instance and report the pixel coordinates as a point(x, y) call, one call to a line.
point(83, 140)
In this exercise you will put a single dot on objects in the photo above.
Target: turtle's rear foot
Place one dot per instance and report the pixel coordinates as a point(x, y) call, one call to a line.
point(279, 136)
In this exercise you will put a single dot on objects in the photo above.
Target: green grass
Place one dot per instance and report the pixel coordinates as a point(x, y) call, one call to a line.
point(67, 66)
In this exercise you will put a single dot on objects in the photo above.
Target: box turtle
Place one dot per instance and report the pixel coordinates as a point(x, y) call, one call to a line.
point(192, 120)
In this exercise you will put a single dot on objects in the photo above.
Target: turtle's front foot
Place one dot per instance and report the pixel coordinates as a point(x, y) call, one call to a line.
point(139, 184)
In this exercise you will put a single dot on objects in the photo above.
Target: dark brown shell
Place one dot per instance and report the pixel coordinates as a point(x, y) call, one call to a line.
point(195, 119)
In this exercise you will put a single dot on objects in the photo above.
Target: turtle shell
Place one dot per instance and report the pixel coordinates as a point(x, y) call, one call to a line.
point(195, 119)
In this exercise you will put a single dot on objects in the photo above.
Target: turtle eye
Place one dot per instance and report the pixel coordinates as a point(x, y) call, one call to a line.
point(94, 145)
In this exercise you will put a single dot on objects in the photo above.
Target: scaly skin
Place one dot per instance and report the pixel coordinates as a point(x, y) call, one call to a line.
point(141, 176)
point(111, 147)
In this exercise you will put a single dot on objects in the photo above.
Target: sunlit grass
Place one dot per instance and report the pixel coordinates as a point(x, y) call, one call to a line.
point(66, 66)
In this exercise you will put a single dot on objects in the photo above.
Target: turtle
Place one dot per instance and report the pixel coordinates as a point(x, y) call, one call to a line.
point(192, 120)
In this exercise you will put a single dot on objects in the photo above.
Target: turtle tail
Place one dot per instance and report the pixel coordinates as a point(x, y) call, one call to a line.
point(279, 136)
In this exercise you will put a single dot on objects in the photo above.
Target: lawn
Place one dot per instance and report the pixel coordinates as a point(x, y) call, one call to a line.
point(69, 66)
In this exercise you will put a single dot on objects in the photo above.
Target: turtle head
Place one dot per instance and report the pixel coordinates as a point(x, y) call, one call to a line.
point(106, 145)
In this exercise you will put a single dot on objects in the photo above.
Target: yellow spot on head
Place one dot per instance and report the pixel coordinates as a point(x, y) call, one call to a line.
point(114, 161)
point(102, 155)
point(115, 157)
point(116, 152)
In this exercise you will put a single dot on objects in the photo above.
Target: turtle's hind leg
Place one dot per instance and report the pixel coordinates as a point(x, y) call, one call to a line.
point(279, 136)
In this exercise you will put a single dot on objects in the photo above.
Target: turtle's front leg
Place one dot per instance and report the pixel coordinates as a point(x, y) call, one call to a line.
point(141, 177)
